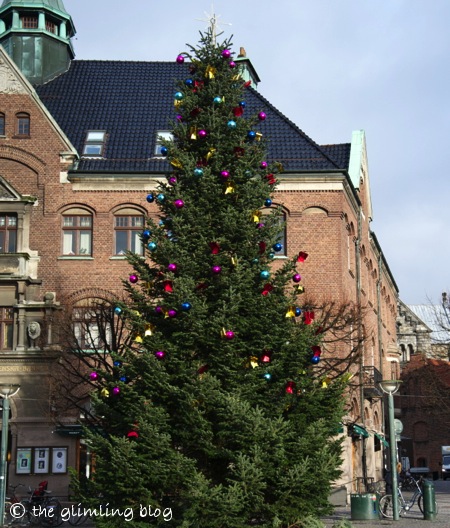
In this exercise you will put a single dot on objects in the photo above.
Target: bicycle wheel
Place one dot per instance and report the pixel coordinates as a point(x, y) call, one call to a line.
point(78, 520)
point(7, 518)
point(52, 513)
point(386, 507)
point(420, 503)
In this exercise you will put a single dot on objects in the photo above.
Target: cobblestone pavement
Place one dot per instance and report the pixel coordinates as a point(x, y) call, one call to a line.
point(412, 519)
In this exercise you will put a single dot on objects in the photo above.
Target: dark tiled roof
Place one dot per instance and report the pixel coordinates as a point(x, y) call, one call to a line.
point(340, 153)
point(134, 100)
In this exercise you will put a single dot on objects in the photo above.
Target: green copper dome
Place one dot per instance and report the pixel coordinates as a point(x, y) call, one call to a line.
point(53, 5)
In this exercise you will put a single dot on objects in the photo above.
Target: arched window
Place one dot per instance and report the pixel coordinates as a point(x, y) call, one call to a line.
point(23, 124)
point(128, 226)
point(77, 232)
point(2, 124)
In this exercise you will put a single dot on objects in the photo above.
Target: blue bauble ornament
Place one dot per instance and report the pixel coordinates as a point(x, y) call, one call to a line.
point(179, 96)
point(189, 82)
point(164, 151)
point(198, 172)
point(161, 223)
point(264, 274)
point(251, 135)
point(150, 198)
point(277, 247)
point(315, 360)
point(298, 312)
point(151, 246)
point(217, 100)
point(186, 306)
point(124, 379)
point(231, 124)
point(242, 104)
point(255, 261)
point(160, 198)
point(117, 310)
point(271, 255)
point(268, 202)
point(268, 376)
point(117, 363)
point(146, 233)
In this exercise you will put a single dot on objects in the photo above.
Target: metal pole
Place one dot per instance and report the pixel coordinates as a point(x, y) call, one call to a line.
point(3, 452)
point(393, 452)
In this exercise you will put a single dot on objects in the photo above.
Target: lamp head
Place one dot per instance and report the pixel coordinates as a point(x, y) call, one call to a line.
point(7, 390)
point(390, 386)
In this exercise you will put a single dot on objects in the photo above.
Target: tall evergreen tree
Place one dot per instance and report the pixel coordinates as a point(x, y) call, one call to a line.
point(215, 416)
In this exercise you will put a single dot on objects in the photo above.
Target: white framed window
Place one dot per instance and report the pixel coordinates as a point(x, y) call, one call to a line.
point(77, 233)
point(162, 135)
point(128, 226)
point(95, 143)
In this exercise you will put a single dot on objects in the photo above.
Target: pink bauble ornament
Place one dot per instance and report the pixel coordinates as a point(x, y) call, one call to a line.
point(172, 180)
point(202, 133)
point(226, 53)
point(232, 64)
point(93, 376)
point(179, 204)
point(172, 267)
point(264, 164)
point(262, 116)
point(180, 59)
point(229, 334)
point(160, 354)
point(216, 270)
point(133, 279)
point(116, 391)
point(225, 174)
point(297, 277)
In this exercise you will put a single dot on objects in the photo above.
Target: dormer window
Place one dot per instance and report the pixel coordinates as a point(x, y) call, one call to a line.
point(162, 135)
point(95, 143)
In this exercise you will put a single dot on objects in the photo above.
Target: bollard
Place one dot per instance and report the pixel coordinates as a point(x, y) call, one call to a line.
point(429, 501)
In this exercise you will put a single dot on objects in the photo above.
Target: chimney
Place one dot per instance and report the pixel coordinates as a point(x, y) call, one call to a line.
point(246, 68)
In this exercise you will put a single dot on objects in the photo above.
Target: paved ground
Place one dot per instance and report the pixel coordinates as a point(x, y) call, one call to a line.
point(413, 518)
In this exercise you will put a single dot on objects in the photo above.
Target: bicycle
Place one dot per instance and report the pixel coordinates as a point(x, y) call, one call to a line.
point(16, 508)
point(43, 509)
point(386, 503)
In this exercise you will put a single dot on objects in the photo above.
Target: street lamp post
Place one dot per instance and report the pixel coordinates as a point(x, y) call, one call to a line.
point(7, 391)
point(390, 387)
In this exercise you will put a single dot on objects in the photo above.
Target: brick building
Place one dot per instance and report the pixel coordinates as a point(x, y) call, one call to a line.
point(79, 153)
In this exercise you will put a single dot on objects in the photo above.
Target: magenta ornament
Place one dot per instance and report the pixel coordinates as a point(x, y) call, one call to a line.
point(160, 354)
point(133, 279)
point(229, 334)
point(264, 164)
point(173, 180)
point(159, 310)
point(216, 270)
point(232, 64)
point(262, 116)
point(180, 59)
point(116, 391)
point(179, 204)
point(225, 174)
point(202, 133)
point(260, 225)
point(93, 376)
point(172, 267)
point(226, 53)
point(297, 277)
point(172, 313)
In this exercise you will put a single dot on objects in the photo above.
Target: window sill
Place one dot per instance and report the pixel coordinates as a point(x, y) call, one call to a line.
point(75, 257)
point(123, 257)
point(20, 136)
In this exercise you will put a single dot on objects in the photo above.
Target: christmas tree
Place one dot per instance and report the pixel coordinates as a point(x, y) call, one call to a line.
point(215, 414)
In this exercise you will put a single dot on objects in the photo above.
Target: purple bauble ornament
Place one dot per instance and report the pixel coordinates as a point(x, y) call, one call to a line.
point(160, 354)
point(180, 59)
point(260, 225)
point(173, 180)
point(225, 174)
point(216, 270)
point(229, 334)
point(226, 53)
point(172, 313)
point(179, 204)
point(232, 64)
point(202, 133)
point(116, 391)
point(179, 117)
point(172, 267)
point(159, 310)
point(297, 277)
point(262, 116)
point(264, 164)
point(93, 376)
point(133, 279)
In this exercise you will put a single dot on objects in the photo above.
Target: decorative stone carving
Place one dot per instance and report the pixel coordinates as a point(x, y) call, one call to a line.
point(34, 331)
point(9, 84)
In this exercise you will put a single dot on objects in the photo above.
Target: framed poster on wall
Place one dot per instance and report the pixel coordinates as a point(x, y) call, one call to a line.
point(59, 460)
point(41, 459)
point(23, 461)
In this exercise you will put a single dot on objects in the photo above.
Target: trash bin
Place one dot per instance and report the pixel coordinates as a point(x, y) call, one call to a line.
point(364, 506)
point(429, 501)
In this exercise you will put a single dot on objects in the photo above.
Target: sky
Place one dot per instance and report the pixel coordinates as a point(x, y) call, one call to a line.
point(332, 67)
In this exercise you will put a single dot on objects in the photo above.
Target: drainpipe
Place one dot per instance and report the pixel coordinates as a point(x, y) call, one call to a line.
point(360, 336)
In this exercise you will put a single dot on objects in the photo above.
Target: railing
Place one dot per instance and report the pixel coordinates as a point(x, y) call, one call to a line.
point(371, 379)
